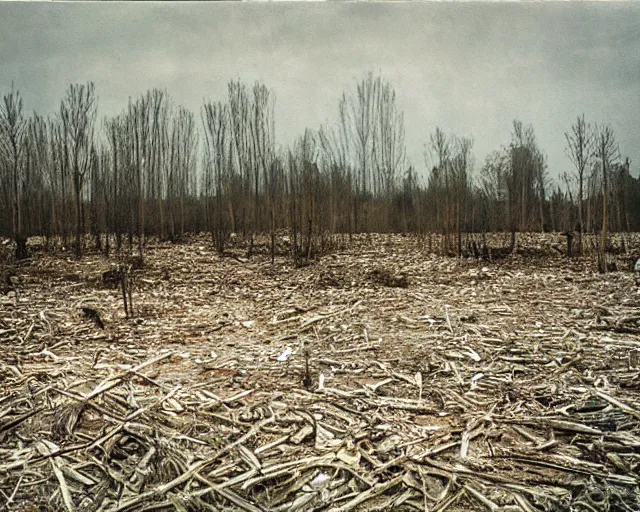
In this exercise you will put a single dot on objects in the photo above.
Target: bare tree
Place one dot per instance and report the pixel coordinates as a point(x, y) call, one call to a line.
point(38, 170)
point(579, 148)
point(461, 166)
point(440, 148)
point(494, 182)
point(607, 153)
point(389, 151)
point(78, 113)
point(12, 138)
point(215, 118)
point(362, 108)
point(97, 184)
point(187, 141)
point(346, 147)
point(158, 133)
point(262, 142)
point(523, 157)
point(60, 174)
point(114, 130)
point(147, 177)
point(305, 186)
point(333, 147)
point(239, 112)
point(142, 132)
point(541, 178)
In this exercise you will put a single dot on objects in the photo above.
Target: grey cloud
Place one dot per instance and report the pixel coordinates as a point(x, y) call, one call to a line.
point(470, 68)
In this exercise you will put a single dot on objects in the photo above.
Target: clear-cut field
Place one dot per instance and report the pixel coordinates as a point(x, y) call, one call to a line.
point(469, 385)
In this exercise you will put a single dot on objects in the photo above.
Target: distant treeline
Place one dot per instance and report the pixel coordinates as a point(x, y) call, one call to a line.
point(157, 169)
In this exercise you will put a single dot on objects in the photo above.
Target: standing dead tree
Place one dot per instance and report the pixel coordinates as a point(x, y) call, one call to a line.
point(142, 131)
point(98, 198)
point(215, 119)
point(389, 151)
point(440, 151)
point(526, 160)
point(579, 149)
point(294, 207)
point(157, 153)
point(275, 195)
point(252, 137)
point(449, 185)
point(12, 139)
point(37, 171)
point(541, 180)
point(461, 166)
point(239, 113)
point(263, 142)
point(78, 113)
point(495, 191)
point(180, 168)
point(304, 194)
point(114, 131)
point(607, 153)
point(361, 119)
point(187, 143)
point(333, 147)
point(148, 178)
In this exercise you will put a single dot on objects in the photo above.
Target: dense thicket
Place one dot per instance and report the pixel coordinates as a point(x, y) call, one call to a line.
point(155, 169)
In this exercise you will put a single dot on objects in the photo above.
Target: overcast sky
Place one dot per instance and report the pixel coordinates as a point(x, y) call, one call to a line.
point(468, 68)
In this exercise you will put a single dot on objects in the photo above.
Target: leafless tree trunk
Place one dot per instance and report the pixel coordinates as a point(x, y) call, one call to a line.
point(78, 113)
point(579, 148)
point(440, 175)
point(215, 118)
point(541, 180)
point(362, 109)
point(12, 139)
point(388, 145)
point(607, 152)
point(460, 174)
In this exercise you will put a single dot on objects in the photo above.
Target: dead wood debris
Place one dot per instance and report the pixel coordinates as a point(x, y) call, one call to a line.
point(385, 277)
point(478, 387)
point(93, 315)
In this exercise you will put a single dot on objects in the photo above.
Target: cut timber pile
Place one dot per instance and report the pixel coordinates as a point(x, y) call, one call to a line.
point(504, 386)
